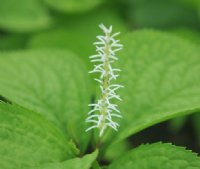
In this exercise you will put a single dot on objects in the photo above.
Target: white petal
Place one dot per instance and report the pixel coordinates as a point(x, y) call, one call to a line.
point(90, 128)
point(115, 34)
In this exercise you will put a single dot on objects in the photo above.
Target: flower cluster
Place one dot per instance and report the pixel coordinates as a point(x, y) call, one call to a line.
point(106, 47)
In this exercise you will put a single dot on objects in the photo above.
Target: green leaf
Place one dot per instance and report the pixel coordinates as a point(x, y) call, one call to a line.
point(27, 139)
point(68, 36)
point(23, 15)
point(157, 156)
point(161, 14)
point(53, 83)
point(12, 41)
point(122, 148)
point(191, 3)
point(75, 163)
point(160, 73)
point(72, 6)
point(176, 124)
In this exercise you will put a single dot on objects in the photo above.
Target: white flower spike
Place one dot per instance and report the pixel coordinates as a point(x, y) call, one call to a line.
point(103, 111)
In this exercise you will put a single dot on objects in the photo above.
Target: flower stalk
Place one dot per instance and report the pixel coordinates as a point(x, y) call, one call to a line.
point(104, 110)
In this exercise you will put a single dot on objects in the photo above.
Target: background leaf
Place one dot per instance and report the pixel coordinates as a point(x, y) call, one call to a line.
point(71, 6)
point(156, 156)
point(29, 16)
point(52, 83)
point(27, 139)
point(160, 14)
point(190, 34)
point(12, 41)
point(122, 148)
point(196, 120)
point(177, 124)
point(192, 3)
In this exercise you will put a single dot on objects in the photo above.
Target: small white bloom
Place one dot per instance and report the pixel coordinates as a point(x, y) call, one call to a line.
point(103, 111)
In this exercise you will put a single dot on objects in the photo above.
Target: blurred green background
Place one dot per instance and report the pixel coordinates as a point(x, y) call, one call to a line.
point(73, 25)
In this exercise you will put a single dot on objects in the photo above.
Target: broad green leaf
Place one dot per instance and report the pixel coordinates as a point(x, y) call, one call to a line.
point(23, 15)
point(53, 83)
point(74, 34)
point(75, 163)
point(27, 139)
point(73, 6)
point(160, 73)
point(157, 156)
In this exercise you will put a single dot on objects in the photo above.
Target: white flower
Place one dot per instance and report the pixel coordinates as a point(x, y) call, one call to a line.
point(104, 110)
